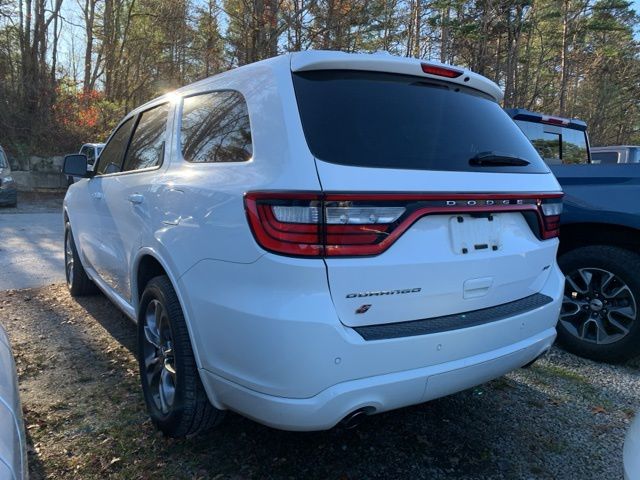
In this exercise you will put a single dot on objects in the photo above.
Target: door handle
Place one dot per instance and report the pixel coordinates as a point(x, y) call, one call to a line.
point(136, 198)
point(97, 195)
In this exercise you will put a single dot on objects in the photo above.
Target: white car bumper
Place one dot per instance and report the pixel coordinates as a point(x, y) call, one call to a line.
point(273, 349)
point(375, 394)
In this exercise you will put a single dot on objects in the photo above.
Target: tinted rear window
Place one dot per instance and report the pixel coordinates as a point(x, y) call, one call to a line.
point(371, 119)
point(556, 144)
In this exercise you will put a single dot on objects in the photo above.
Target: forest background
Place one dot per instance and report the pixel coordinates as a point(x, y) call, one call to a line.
point(70, 69)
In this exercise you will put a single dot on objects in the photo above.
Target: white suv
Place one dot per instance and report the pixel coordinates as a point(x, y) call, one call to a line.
point(317, 236)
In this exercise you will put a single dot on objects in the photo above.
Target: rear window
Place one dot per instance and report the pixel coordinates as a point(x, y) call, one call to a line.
point(370, 119)
point(556, 144)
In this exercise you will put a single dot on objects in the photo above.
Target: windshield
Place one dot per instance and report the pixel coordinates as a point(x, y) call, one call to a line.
point(371, 119)
point(556, 144)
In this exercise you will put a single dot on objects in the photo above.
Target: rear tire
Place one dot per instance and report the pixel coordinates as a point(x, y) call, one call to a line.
point(176, 400)
point(78, 282)
point(600, 313)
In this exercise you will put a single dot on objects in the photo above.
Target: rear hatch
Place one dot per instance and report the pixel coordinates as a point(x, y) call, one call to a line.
point(433, 198)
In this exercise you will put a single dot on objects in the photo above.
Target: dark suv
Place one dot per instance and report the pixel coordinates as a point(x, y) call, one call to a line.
point(599, 242)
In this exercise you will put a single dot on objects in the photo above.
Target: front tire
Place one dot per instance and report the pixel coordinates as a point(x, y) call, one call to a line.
point(600, 316)
point(78, 283)
point(176, 400)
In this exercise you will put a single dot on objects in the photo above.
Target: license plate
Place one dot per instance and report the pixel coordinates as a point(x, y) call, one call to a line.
point(471, 234)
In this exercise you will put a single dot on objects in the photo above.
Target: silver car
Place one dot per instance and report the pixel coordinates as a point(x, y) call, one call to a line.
point(13, 452)
point(616, 154)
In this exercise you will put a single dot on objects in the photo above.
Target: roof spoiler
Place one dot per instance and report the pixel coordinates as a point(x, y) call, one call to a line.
point(529, 116)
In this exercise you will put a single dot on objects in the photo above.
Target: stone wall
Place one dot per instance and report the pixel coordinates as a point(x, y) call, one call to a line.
point(38, 173)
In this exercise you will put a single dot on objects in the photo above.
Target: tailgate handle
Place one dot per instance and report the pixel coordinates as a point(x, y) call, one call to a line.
point(477, 287)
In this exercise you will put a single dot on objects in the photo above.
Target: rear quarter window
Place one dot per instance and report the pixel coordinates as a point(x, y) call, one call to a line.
point(215, 128)
point(372, 119)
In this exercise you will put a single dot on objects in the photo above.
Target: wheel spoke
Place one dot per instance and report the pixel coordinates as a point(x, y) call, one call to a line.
point(152, 336)
point(627, 311)
point(151, 330)
point(606, 279)
point(167, 390)
point(576, 307)
point(574, 285)
point(584, 329)
point(617, 292)
point(618, 325)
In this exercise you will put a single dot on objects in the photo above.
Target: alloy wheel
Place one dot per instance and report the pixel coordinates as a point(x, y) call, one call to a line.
point(159, 358)
point(68, 258)
point(598, 306)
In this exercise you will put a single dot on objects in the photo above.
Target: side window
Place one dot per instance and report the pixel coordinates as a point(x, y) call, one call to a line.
point(215, 128)
point(88, 151)
point(111, 157)
point(604, 157)
point(3, 161)
point(147, 144)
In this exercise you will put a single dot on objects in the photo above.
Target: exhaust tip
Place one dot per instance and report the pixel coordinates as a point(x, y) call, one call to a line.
point(354, 419)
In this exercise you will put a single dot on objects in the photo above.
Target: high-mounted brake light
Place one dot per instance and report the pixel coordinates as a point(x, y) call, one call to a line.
point(325, 225)
point(554, 120)
point(441, 71)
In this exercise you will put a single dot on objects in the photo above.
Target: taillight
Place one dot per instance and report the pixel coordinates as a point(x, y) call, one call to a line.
point(441, 71)
point(325, 225)
point(551, 209)
point(286, 223)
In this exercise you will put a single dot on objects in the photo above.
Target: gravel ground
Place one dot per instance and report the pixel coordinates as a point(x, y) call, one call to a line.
point(565, 417)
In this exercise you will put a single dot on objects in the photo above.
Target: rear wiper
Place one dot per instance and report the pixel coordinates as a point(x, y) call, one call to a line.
point(493, 159)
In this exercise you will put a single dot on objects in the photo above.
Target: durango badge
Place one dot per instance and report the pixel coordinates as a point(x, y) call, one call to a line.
point(383, 292)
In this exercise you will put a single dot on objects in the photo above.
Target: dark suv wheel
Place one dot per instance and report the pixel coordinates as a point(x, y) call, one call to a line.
point(173, 392)
point(599, 317)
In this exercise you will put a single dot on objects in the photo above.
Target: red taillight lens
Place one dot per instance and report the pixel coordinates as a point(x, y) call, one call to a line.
point(441, 71)
point(551, 208)
point(286, 223)
point(316, 225)
point(325, 225)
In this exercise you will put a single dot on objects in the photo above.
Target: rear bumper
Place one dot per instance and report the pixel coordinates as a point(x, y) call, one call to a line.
point(375, 394)
point(272, 348)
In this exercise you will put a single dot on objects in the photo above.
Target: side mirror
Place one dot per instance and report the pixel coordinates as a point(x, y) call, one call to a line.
point(75, 165)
